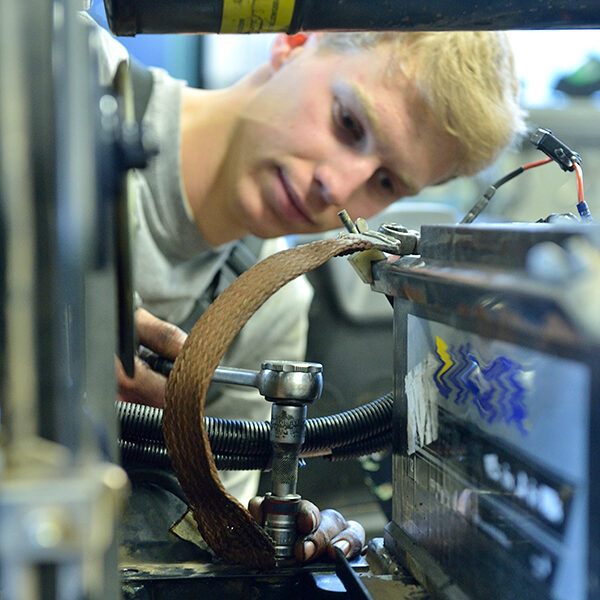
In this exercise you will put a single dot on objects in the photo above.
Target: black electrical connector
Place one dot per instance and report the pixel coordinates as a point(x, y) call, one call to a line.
point(551, 146)
point(558, 151)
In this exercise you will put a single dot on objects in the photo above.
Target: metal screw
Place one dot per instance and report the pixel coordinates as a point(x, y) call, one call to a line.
point(347, 221)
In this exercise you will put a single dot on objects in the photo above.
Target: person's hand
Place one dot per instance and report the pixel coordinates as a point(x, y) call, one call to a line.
point(147, 386)
point(320, 531)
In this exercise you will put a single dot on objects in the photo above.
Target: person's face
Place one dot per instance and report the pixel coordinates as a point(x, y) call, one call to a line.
point(329, 131)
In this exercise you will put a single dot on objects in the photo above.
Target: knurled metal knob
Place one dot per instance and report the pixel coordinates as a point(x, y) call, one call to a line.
point(295, 366)
point(290, 381)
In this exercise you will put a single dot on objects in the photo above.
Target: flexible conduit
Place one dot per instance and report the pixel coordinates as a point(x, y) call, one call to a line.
point(243, 445)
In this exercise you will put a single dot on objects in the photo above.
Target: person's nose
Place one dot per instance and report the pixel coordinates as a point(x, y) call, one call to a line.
point(337, 180)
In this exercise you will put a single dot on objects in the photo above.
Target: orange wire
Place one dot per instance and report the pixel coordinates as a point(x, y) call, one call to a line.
point(579, 174)
point(537, 163)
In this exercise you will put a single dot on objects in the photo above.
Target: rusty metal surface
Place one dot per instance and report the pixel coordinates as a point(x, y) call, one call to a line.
point(165, 580)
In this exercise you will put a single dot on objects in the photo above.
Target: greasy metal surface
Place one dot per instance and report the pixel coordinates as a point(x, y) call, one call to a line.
point(477, 275)
point(441, 15)
point(128, 17)
point(494, 245)
point(138, 570)
point(191, 580)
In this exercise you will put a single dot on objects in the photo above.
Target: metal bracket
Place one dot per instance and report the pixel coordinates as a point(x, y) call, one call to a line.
point(391, 238)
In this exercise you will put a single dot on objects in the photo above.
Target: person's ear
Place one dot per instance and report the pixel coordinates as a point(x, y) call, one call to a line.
point(283, 46)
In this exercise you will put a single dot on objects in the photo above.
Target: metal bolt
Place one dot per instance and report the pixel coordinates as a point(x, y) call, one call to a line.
point(290, 382)
point(347, 221)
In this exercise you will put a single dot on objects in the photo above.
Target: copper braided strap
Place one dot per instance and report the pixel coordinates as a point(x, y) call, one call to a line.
point(224, 523)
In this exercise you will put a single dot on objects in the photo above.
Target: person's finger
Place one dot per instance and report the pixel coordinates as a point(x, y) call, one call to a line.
point(146, 387)
point(315, 544)
point(163, 338)
point(324, 528)
point(350, 541)
point(309, 517)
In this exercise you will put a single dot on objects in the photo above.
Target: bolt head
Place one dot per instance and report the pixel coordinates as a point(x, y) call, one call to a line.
point(292, 366)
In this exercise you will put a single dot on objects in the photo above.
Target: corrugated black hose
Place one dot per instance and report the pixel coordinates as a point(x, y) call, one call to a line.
point(245, 445)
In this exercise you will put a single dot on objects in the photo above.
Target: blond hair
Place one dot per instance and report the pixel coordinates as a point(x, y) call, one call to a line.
point(467, 79)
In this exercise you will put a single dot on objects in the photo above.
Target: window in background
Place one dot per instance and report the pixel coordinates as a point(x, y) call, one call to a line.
point(542, 57)
point(229, 57)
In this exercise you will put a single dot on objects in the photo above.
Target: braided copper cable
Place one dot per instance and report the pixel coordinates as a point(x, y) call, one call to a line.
point(225, 524)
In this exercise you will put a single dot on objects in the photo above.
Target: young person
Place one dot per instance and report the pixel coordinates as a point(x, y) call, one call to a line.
point(332, 121)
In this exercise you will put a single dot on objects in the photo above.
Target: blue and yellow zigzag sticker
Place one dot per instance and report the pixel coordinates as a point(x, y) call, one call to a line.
point(493, 388)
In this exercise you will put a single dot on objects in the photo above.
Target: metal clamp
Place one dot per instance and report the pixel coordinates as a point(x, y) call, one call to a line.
point(391, 238)
point(408, 239)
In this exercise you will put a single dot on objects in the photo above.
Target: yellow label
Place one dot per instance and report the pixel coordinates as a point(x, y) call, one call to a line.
point(256, 16)
point(442, 351)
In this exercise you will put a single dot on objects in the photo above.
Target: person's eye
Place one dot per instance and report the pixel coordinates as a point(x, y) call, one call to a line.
point(385, 181)
point(348, 126)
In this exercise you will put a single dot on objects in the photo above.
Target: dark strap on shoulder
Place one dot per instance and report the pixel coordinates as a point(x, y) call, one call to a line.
point(142, 83)
point(242, 256)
